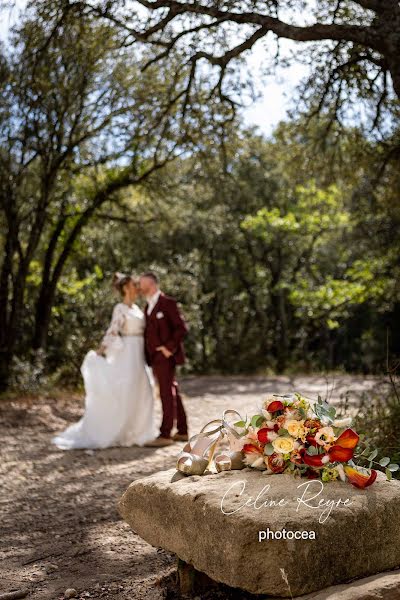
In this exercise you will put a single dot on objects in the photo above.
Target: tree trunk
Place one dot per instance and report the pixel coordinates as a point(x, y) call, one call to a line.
point(278, 303)
point(51, 276)
point(281, 329)
point(5, 365)
point(6, 343)
point(42, 321)
point(45, 300)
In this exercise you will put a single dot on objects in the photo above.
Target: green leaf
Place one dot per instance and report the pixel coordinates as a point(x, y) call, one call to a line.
point(257, 420)
point(312, 450)
point(384, 461)
point(332, 413)
point(98, 272)
point(388, 474)
point(283, 431)
point(240, 424)
point(393, 467)
point(373, 455)
point(269, 449)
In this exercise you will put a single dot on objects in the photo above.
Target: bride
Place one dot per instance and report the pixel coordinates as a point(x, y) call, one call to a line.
point(119, 398)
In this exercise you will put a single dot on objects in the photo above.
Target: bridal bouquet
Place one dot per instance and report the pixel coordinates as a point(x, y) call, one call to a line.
point(295, 435)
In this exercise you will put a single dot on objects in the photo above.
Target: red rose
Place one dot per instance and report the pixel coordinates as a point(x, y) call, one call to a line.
point(276, 463)
point(275, 406)
point(263, 434)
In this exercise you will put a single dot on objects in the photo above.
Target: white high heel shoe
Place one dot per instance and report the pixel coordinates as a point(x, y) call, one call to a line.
point(198, 453)
point(232, 459)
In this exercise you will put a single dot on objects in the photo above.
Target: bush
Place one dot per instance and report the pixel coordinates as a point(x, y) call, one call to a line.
point(378, 418)
point(28, 375)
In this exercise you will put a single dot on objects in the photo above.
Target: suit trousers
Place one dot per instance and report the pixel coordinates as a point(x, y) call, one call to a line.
point(172, 406)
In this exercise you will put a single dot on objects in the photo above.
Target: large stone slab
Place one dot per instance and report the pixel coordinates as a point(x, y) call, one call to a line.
point(214, 522)
point(385, 586)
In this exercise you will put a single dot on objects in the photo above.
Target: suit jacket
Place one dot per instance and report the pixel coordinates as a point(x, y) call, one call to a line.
point(165, 326)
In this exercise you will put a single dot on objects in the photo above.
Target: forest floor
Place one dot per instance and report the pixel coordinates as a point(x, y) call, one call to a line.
point(60, 527)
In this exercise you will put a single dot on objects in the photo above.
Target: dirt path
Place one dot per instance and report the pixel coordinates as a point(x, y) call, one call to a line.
point(59, 524)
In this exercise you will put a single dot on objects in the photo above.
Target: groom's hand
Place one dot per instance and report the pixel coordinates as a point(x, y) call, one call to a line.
point(165, 351)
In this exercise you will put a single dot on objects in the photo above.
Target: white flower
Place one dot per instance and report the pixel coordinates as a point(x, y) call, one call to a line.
point(266, 414)
point(258, 463)
point(254, 459)
point(346, 422)
point(267, 401)
point(325, 436)
point(251, 435)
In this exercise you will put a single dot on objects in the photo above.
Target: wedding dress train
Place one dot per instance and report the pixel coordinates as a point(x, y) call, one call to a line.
point(119, 397)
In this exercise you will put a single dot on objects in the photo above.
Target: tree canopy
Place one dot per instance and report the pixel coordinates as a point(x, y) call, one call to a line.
point(118, 151)
point(352, 46)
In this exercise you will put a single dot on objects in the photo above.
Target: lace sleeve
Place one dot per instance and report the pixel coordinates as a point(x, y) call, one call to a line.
point(112, 341)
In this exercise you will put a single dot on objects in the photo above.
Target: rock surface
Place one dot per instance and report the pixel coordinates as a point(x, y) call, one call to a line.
point(213, 522)
point(385, 586)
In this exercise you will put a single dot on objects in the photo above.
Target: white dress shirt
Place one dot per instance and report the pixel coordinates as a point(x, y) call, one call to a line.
point(152, 301)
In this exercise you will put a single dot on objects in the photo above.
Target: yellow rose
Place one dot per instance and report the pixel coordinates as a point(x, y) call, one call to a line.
point(295, 428)
point(282, 444)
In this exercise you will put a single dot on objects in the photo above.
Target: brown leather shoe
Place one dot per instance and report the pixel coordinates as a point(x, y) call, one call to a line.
point(180, 437)
point(160, 442)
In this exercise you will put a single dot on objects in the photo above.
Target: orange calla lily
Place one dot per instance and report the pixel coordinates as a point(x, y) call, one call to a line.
point(334, 454)
point(340, 454)
point(358, 479)
point(314, 460)
point(348, 439)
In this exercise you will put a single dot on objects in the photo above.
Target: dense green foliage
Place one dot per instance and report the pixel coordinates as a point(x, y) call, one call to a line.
point(283, 262)
point(284, 252)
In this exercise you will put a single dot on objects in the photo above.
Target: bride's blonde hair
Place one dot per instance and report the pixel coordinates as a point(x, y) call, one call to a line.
point(119, 281)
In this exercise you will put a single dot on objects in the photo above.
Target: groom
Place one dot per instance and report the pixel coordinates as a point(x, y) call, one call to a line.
point(164, 333)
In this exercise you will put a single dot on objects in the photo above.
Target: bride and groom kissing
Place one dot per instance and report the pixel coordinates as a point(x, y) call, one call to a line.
point(118, 377)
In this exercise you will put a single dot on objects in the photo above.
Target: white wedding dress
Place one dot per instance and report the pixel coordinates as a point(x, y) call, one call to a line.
point(119, 395)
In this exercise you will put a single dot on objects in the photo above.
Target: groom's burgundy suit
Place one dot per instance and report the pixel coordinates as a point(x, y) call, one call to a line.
point(165, 327)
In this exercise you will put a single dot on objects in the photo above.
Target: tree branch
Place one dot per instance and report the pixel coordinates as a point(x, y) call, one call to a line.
point(375, 5)
point(308, 33)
